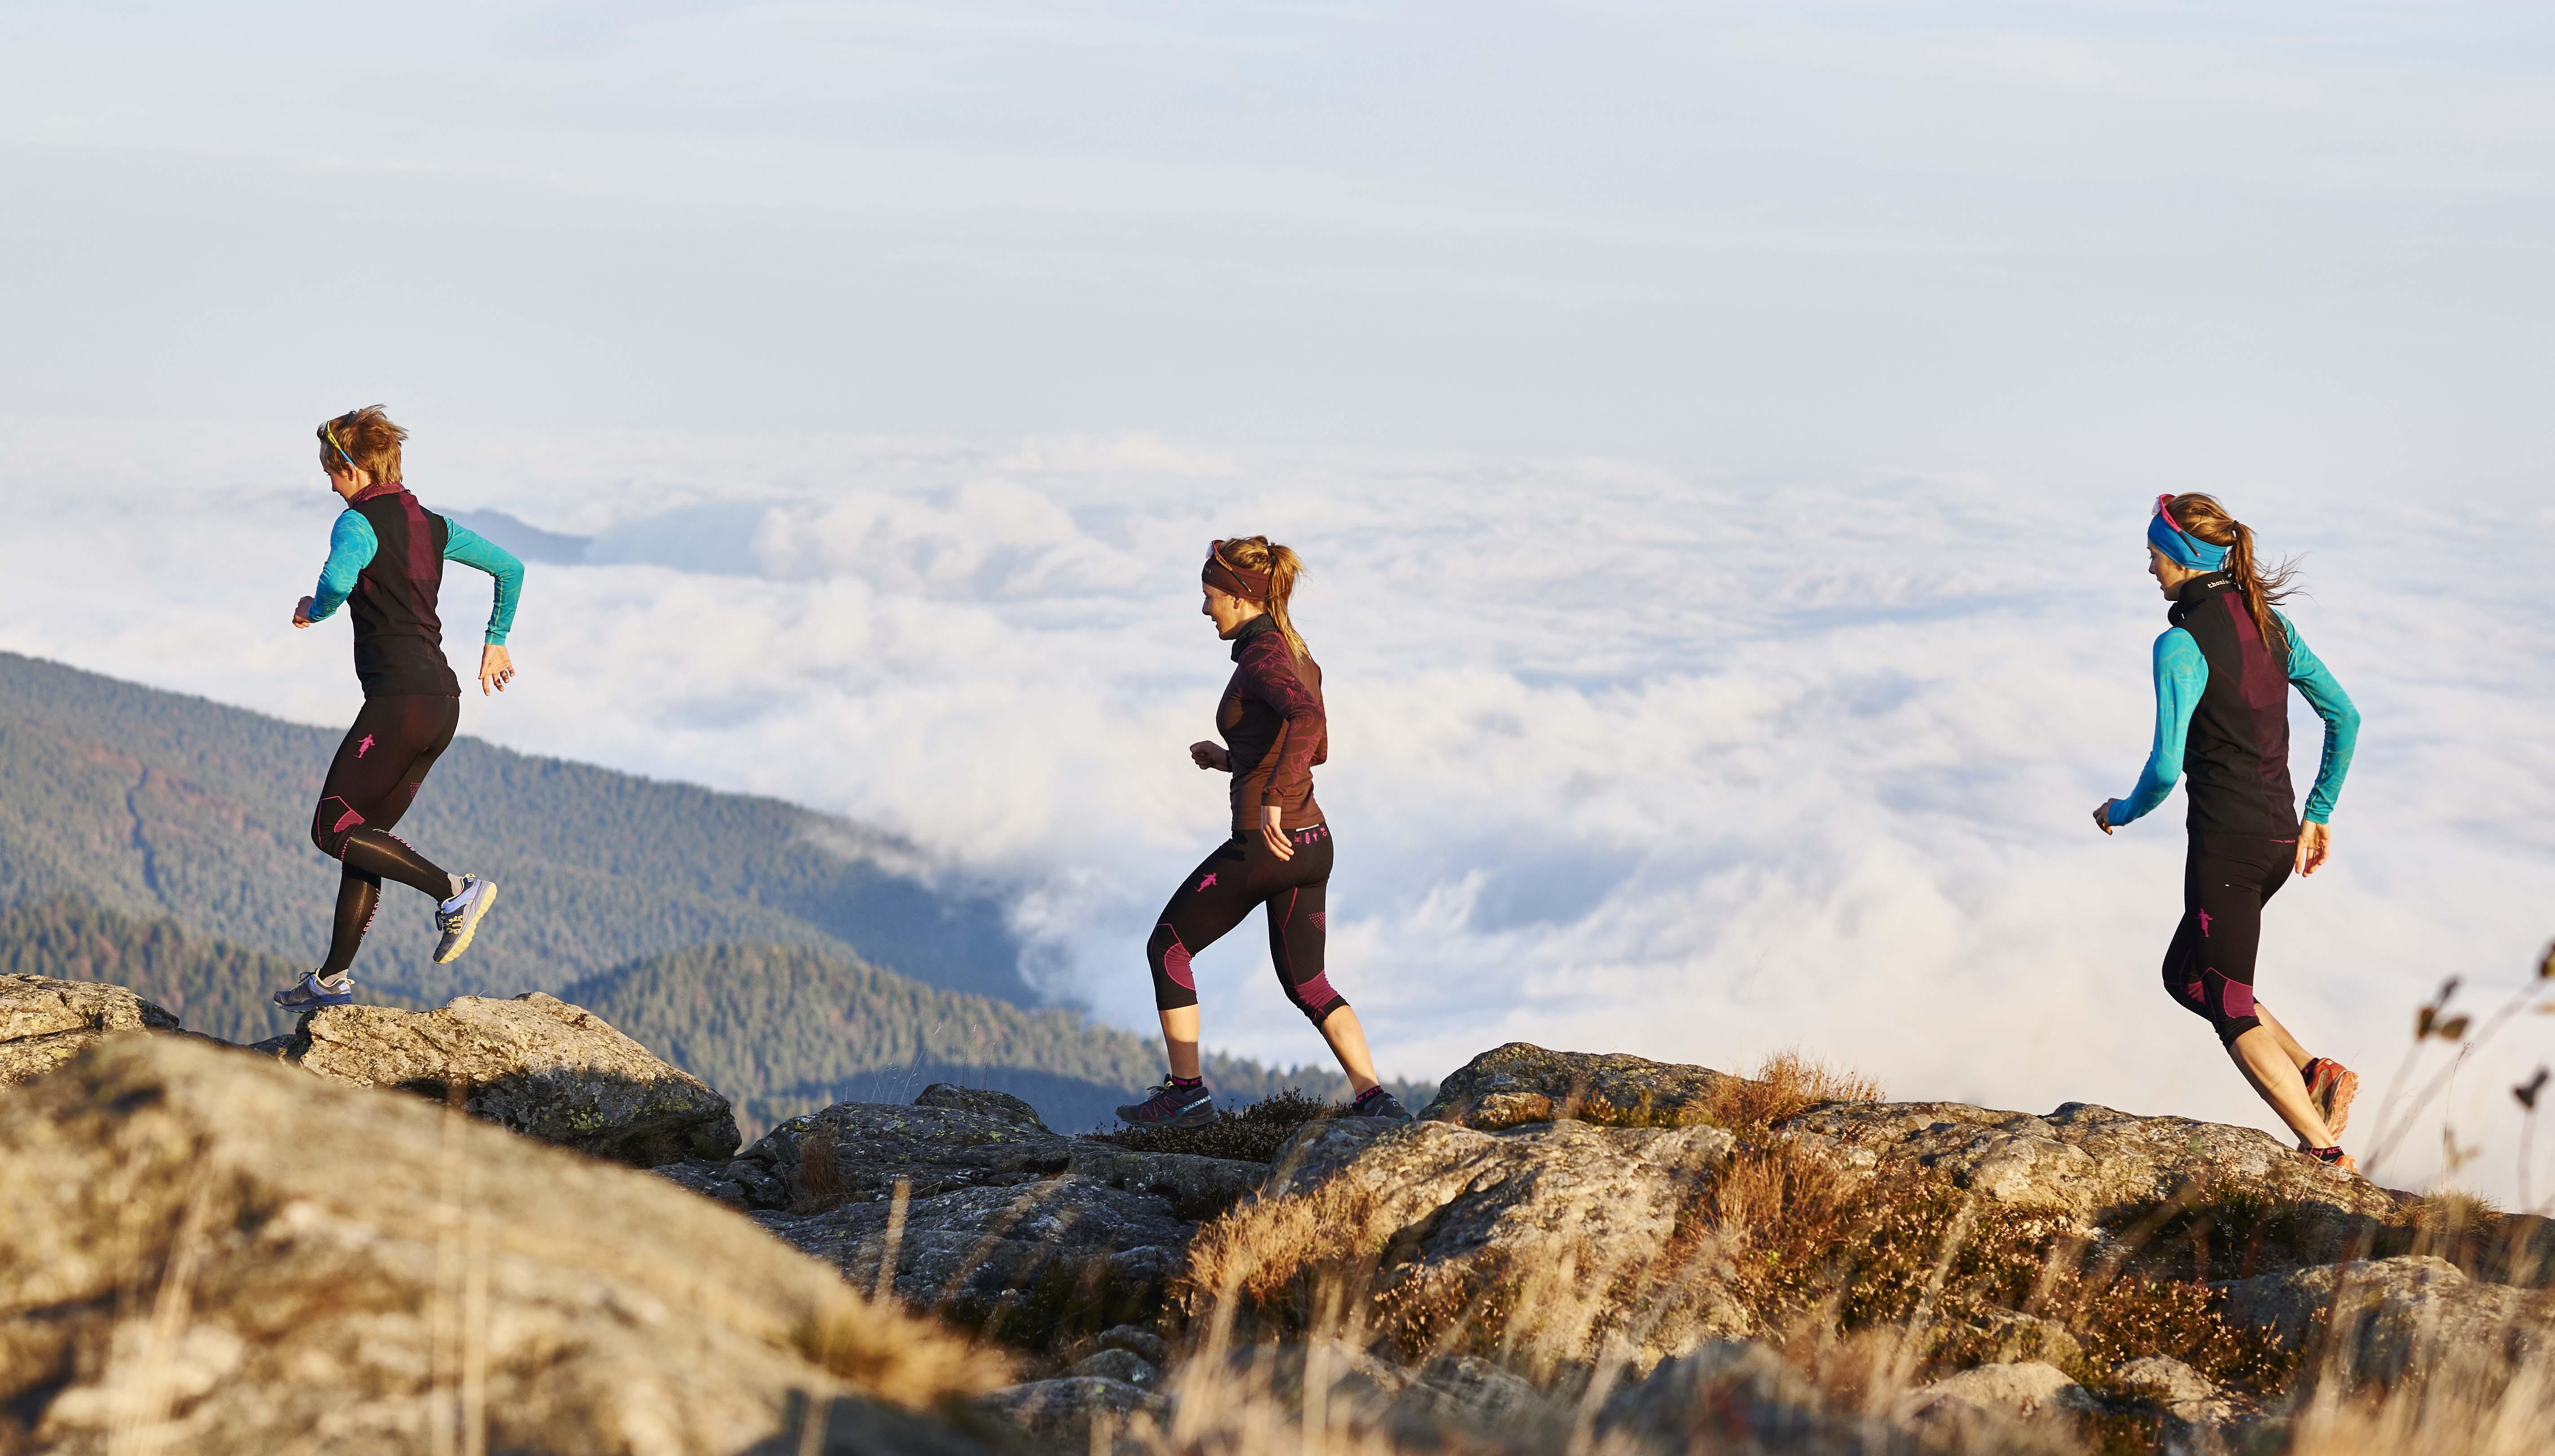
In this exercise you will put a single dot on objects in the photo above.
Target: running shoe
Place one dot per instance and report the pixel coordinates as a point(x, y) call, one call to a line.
point(311, 993)
point(1378, 1103)
point(458, 918)
point(2331, 1086)
point(2333, 1158)
point(1171, 1106)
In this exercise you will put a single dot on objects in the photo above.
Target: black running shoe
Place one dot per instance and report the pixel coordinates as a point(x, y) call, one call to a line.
point(1378, 1103)
point(1171, 1106)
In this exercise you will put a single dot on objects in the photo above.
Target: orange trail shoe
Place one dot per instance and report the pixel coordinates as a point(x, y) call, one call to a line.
point(2333, 1158)
point(2331, 1086)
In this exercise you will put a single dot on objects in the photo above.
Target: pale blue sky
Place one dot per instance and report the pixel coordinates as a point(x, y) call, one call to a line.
point(2299, 245)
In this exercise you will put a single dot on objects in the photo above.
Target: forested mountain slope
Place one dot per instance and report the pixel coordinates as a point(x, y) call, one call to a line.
point(781, 1030)
point(213, 987)
point(156, 803)
point(785, 1030)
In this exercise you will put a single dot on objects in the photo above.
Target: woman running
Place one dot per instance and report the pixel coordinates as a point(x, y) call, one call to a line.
point(385, 564)
point(1280, 855)
point(2222, 671)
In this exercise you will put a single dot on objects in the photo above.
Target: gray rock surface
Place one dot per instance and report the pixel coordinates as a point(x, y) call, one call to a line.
point(2376, 1318)
point(1120, 1364)
point(857, 1152)
point(2022, 1390)
point(1061, 1413)
point(1153, 1348)
point(1481, 1397)
point(1584, 1205)
point(45, 1023)
point(1731, 1395)
point(987, 1254)
point(2092, 1163)
point(534, 1064)
point(955, 1097)
point(2179, 1390)
point(217, 1255)
point(1521, 1083)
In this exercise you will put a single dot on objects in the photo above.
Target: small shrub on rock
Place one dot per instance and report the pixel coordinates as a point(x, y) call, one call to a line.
point(1252, 1134)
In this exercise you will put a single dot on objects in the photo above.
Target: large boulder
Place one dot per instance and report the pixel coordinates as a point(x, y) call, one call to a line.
point(857, 1152)
point(972, 1208)
point(1567, 1213)
point(536, 1064)
point(1521, 1083)
point(1016, 1258)
point(2375, 1319)
point(45, 1023)
point(213, 1254)
point(2099, 1166)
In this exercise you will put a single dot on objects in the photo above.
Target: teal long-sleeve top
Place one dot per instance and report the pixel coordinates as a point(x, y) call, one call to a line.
point(2181, 672)
point(351, 544)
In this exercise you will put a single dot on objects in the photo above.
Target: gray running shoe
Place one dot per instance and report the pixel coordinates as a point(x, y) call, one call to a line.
point(458, 918)
point(311, 993)
point(1171, 1106)
point(1380, 1103)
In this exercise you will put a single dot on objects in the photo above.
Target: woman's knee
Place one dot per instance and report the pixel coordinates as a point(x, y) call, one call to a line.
point(1313, 996)
point(331, 824)
point(1174, 979)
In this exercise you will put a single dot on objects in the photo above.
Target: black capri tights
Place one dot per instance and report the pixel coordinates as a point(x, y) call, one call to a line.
point(371, 782)
point(2226, 879)
point(1227, 885)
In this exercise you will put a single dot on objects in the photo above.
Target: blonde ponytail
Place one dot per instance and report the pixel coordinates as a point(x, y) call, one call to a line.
point(2201, 515)
point(1259, 554)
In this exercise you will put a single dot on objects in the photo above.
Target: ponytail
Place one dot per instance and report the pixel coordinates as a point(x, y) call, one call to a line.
point(1259, 554)
point(2202, 517)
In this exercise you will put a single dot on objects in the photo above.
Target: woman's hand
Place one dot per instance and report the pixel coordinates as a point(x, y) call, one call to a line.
point(1273, 830)
point(496, 670)
point(2315, 842)
point(301, 612)
point(1210, 755)
point(2103, 816)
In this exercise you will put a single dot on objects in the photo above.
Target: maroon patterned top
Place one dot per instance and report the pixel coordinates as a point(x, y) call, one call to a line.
point(1274, 727)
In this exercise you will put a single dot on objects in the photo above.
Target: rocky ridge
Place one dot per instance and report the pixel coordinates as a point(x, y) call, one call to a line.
point(1563, 1243)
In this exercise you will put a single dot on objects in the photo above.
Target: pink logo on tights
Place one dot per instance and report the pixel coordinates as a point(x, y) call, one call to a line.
point(2204, 922)
point(364, 747)
point(1209, 880)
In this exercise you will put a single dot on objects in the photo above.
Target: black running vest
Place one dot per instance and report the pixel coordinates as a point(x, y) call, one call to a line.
point(2237, 755)
point(398, 639)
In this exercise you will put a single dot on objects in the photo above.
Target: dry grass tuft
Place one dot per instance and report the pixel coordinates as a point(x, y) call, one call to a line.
point(884, 1352)
point(1251, 1134)
point(1785, 1085)
point(1264, 1252)
point(817, 1183)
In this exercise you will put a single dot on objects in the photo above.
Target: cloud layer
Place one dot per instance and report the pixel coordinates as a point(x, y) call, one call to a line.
point(1692, 767)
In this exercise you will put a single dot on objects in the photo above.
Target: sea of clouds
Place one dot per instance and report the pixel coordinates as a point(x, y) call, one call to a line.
point(1624, 757)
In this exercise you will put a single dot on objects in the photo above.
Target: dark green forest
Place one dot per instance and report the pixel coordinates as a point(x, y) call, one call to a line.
point(156, 803)
point(782, 1030)
point(212, 985)
point(160, 842)
point(785, 1030)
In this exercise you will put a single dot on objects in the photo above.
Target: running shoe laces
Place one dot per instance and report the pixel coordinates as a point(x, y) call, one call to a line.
point(458, 918)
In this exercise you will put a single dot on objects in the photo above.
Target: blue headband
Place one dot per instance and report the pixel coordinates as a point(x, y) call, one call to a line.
point(2187, 550)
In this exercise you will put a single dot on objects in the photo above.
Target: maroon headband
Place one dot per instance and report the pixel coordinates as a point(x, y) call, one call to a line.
point(1233, 581)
